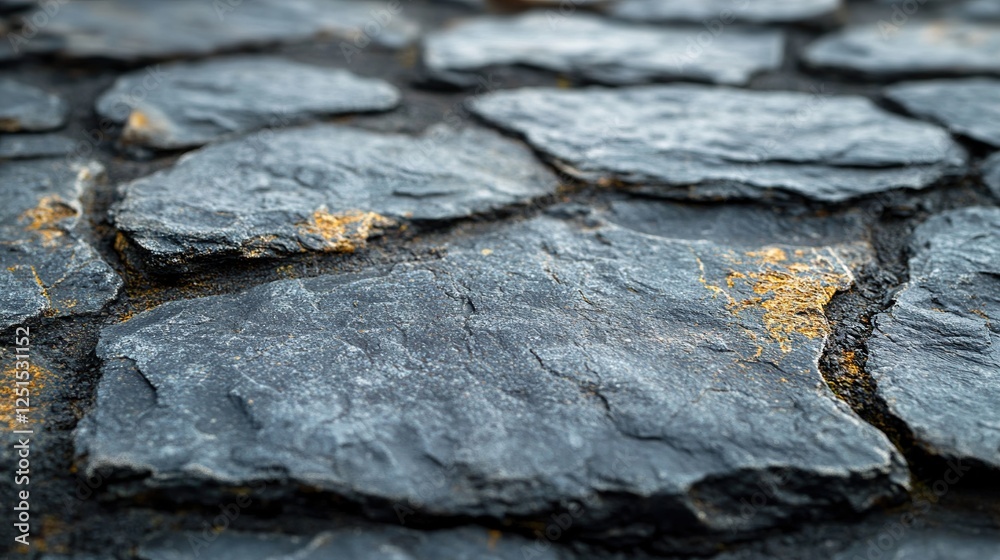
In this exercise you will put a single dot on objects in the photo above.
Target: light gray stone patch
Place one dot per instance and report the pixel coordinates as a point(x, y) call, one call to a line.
point(27, 108)
point(726, 11)
point(969, 107)
point(26, 146)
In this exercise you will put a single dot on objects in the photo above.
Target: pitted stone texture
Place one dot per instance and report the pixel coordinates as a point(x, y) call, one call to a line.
point(25, 146)
point(188, 104)
point(969, 107)
point(719, 142)
point(936, 353)
point(991, 173)
point(27, 108)
point(359, 543)
point(656, 382)
point(46, 269)
point(726, 11)
point(599, 50)
point(918, 47)
point(323, 188)
point(139, 29)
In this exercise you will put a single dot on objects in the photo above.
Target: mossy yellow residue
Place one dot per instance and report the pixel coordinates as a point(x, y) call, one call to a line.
point(344, 232)
point(850, 363)
point(44, 217)
point(39, 380)
point(769, 255)
point(258, 246)
point(716, 290)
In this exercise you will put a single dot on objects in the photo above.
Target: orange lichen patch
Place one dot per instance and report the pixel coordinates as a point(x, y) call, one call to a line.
point(258, 246)
point(494, 538)
point(45, 216)
point(345, 232)
point(733, 276)
point(769, 255)
point(141, 125)
point(39, 380)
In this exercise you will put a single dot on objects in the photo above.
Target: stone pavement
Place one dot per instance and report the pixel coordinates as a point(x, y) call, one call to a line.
point(484, 279)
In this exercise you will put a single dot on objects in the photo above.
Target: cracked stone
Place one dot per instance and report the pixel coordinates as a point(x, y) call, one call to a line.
point(940, 47)
point(991, 174)
point(726, 11)
point(969, 107)
point(190, 104)
point(654, 382)
point(324, 188)
point(46, 268)
point(711, 143)
point(27, 108)
point(25, 146)
point(360, 543)
point(936, 353)
point(137, 29)
point(626, 53)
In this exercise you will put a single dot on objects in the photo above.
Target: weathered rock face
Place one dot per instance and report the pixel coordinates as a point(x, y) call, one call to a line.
point(624, 54)
point(726, 11)
point(188, 104)
point(137, 29)
point(27, 108)
point(991, 173)
point(44, 268)
point(927, 544)
point(968, 107)
point(726, 143)
point(654, 382)
point(367, 543)
point(324, 188)
point(24, 146)
point(941, 47)
point(935, 353)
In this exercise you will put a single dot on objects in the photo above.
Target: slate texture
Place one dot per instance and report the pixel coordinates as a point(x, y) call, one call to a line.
point(323, 188)
point(625, 54)
point(27, 108)
point(726, 11)
point(655, 382)
point(991, 173)
point(189, 104)
point(935, 353)
point(25, 146)
point(969, 107)
point(711, 143)
point(44, 267)
point(917, 47)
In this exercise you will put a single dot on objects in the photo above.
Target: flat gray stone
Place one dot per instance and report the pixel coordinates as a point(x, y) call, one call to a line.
point(324, 188)
point(657, 382)
point(27, 108)
point(936, 353)
point(358, 543)
point(24, 146)
point(189, 104)
point(138, 29)
point(599, 50)
point(726, 11)
point(918, 47)
point(726, 143)
point(969, 107)
point(47, 269)
point(991, 173)
point(926, 543)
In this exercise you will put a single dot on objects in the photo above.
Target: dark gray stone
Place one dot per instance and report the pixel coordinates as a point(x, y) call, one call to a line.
point(359, 543)
point(27, 108)
point(323, 188)
point(991, 173)
point(654, 382)
point(46, 268)
point(188, 104)
point(726, 11)
point(926, 543)
point(917, 47)
point(969, 107)
point(600, 50)
point(24, 146)
point(936, 353)
point(718, 142)
point(138, 29)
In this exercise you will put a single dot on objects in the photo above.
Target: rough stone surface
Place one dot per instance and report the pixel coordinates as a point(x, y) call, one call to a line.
point(938, 47)
point(928, 544)
point(720, 142)
point(27, 108)
point(624, 54)
point(24, 146)
point(137, 29)
point(188, 104)
point(936, 352)
point(323, 188)
point(726, 11)
point(991, 173)
point(548, 363)
point(968, 107)
point(373, 543)
point(44, 267)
